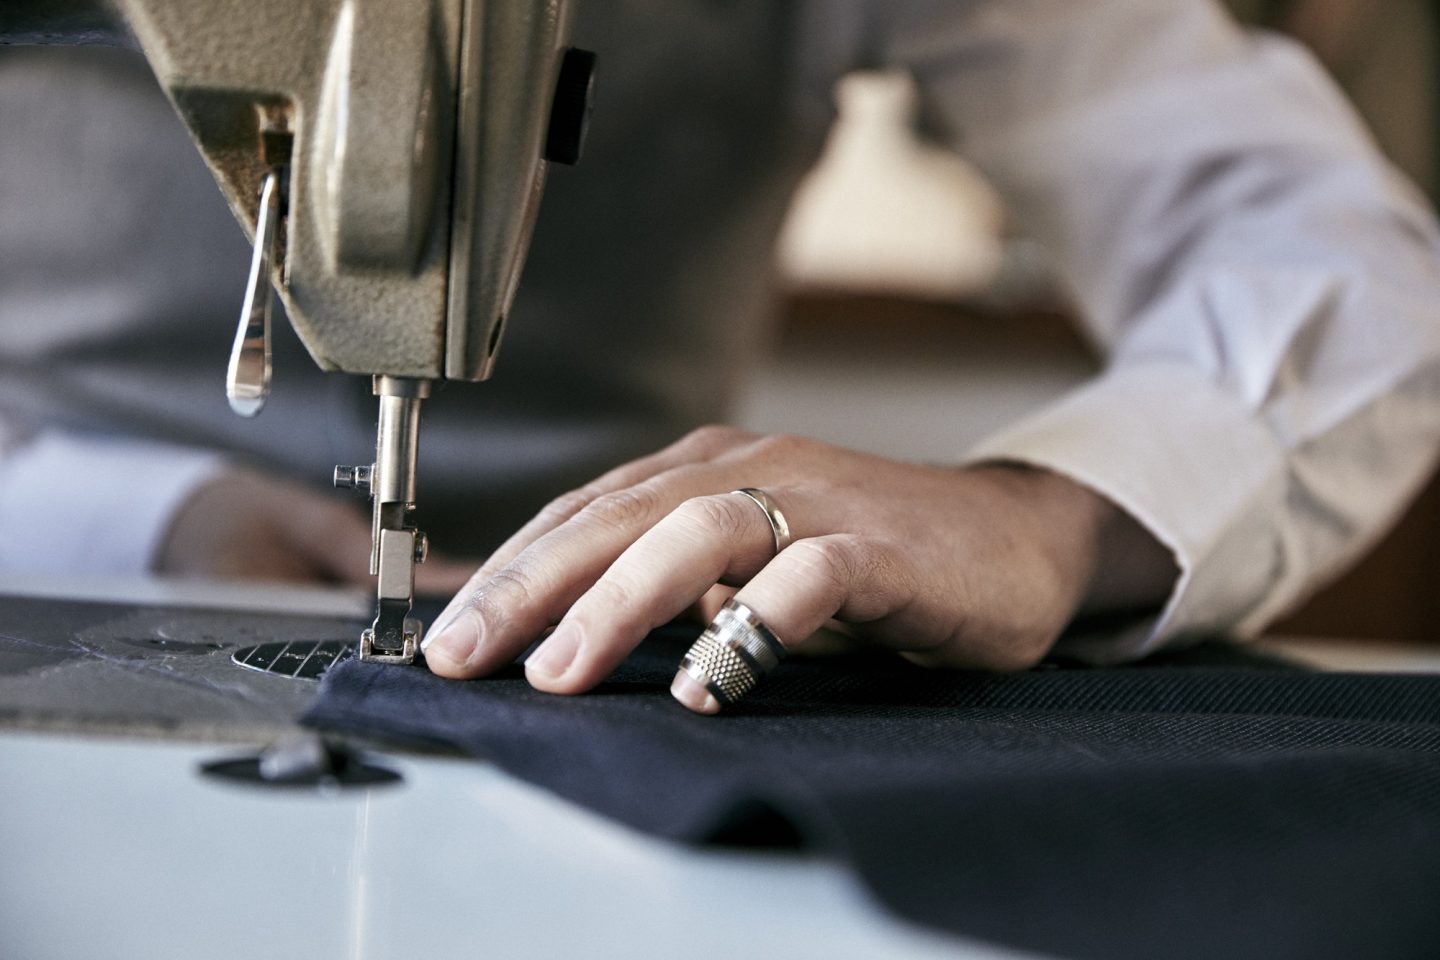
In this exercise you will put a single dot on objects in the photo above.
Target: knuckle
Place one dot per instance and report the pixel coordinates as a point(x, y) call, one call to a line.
point(513, 586)
point(835, 561)
point(618, 600)
point(722, 514)
point(621, 509)
point(711, 436)
point(781, 446)
point(567, 505)
point(483, 606)
point(510, 599)
point(510, 582)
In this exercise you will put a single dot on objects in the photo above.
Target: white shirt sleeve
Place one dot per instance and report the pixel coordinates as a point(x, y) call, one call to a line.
point(77, 505)
point(1263, 285)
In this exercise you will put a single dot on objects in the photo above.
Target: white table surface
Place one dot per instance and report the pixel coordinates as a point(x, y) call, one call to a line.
point(118, 848)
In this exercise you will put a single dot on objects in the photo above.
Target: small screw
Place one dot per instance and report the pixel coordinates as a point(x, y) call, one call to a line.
point(422, 546)
point(353, 478)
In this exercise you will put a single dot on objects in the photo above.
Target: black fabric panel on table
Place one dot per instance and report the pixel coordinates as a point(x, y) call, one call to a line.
point(1149, 811)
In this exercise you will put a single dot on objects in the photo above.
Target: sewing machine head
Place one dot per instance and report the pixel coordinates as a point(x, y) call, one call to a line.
point(411, 140)
point(388, 159)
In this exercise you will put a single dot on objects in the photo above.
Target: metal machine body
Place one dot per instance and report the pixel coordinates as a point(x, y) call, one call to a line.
point(388, 160)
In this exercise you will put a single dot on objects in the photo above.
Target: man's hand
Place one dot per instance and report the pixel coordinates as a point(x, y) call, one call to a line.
point(248, 526)
point(977, 567)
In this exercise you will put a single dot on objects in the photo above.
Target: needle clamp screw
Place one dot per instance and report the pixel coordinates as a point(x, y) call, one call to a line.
point(354, 478)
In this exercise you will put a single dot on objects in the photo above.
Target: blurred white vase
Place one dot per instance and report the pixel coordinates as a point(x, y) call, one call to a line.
point(883, 212)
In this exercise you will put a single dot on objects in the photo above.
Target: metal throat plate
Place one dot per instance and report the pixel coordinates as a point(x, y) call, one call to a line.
point(299, 659)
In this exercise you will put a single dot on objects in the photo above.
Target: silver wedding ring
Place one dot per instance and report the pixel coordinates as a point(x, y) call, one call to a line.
point(733, 653)
point(779, 527)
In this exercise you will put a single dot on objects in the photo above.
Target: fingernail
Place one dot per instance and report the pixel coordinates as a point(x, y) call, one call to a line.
point(455, 639)
point(553, 657)
point(441, 624)
point(692, 694)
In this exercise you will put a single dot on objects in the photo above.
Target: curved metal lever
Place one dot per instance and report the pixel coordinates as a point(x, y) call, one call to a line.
point(247, 381)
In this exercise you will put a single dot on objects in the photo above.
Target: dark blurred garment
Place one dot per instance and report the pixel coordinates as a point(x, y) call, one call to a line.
point(1166, 811)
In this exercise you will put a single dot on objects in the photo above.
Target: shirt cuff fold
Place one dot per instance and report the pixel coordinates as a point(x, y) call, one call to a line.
point(74, 505)
point(1209, 492)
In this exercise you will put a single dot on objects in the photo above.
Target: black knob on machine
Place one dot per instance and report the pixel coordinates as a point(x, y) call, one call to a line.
point(570, 111)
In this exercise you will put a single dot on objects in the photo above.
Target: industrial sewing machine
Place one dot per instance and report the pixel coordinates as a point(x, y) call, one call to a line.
point(388, 160)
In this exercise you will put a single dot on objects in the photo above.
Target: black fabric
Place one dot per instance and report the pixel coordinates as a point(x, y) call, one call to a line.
point(1163, 810)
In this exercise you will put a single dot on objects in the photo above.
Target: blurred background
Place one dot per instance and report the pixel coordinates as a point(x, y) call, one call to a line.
point(961, 342)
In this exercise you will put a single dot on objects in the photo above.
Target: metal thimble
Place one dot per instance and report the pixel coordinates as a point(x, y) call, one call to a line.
point(733, 653)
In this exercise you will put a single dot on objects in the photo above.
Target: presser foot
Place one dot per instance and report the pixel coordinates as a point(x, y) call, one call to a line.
point(405, 653)
point(396, 547)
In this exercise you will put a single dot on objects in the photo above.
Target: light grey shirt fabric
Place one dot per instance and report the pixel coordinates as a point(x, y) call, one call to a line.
point(1260, 280)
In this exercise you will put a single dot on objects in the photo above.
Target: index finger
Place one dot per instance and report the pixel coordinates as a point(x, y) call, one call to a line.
point(697, 446)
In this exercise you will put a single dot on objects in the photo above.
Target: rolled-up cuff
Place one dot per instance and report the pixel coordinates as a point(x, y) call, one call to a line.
point(91, 506)
point(1192, 465)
